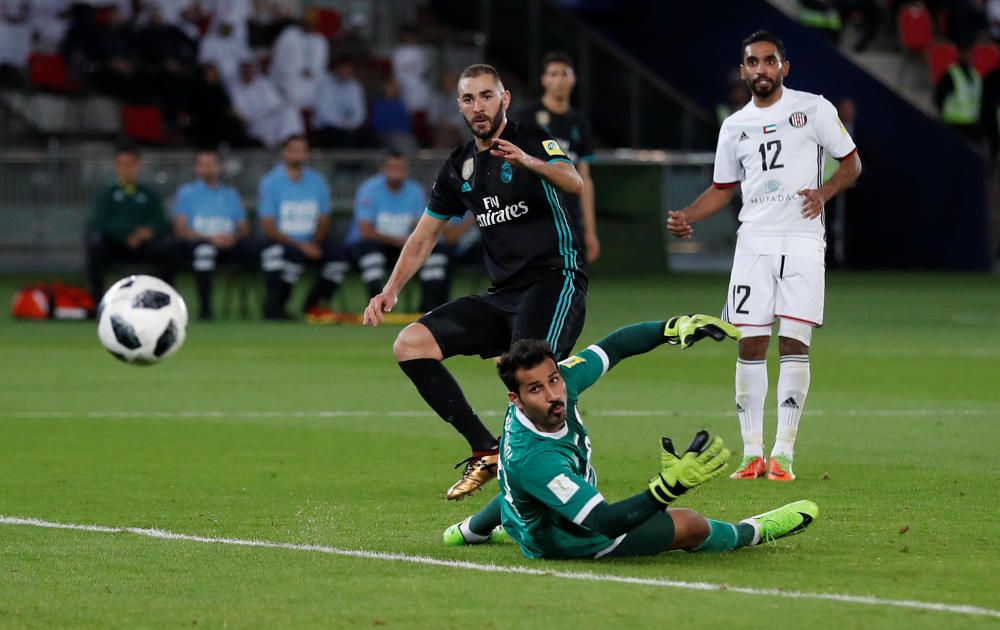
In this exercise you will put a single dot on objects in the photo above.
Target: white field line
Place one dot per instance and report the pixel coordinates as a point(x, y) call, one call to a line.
point(368, 413)
point(585, 576)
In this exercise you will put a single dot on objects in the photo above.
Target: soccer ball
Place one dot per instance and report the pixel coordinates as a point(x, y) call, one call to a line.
point(142, 320)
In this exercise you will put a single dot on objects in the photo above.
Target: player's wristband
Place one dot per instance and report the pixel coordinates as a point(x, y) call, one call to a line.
point(664, 493)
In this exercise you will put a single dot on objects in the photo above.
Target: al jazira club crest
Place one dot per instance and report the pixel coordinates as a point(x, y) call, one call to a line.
point(798, 119)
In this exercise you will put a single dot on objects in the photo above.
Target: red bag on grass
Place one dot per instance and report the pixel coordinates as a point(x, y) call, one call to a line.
point(55, 300)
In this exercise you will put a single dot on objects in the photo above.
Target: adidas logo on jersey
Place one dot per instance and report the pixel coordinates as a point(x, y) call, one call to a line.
point(743, 136)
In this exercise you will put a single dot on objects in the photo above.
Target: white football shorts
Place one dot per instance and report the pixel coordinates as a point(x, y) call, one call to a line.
point(767, 286)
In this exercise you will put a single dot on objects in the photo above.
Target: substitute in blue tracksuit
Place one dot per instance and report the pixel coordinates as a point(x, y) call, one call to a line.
point(386, 207)
point(212, 227)
point(294, 211)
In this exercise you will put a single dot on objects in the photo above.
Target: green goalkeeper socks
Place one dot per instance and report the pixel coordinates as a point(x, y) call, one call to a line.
point(631, 340)
point(486, 519)
point(724, 536)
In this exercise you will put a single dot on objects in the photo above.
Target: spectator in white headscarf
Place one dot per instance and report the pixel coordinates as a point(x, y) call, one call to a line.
point(299, 61)
point(224, 49)
point(15, 33)
point(268, 118)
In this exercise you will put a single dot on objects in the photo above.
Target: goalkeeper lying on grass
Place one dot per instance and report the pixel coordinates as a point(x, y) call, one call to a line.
point(549, 503)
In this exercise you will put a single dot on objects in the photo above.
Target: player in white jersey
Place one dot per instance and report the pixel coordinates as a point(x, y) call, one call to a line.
point(774, 149)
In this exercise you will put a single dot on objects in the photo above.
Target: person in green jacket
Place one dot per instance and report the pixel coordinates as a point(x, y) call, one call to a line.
point(128, 225)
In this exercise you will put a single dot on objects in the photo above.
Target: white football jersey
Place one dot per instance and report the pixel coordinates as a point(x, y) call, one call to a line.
point(773, 153)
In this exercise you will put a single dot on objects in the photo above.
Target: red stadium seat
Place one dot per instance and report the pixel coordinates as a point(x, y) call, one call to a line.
point(379, 68)
point(985, 57)
point(143, 123)
point(916, 31)
point(327, 21)
point(50, 72)
point(941, 56)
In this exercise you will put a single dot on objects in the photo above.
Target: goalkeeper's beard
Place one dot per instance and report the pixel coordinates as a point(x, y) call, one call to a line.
point(548, 419)
point(557, 413)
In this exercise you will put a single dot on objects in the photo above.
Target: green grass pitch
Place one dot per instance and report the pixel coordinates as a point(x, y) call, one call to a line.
point(311, 435)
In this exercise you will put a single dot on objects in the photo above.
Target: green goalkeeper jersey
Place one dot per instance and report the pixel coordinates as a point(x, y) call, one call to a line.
point(547, 480)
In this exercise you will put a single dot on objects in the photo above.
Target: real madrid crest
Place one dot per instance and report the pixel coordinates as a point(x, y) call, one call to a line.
point(798, 119)
point(543, 117)
point(467, 167)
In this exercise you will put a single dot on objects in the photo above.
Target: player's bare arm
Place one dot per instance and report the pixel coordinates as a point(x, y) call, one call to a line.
point(415, 252)
point(708, 203)
point(560, 174)
point(846, 174)
point(589, 214)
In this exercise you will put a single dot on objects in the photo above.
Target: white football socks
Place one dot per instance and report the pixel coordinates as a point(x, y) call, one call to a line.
point(470, 536)
point(793, 385)
point(751, 390)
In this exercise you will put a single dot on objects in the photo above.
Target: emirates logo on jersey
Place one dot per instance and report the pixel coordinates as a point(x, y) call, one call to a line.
point(798, 119)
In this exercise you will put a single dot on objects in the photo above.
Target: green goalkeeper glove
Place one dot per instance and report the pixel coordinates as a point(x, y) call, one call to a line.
point(684, 330)
point(703, 460)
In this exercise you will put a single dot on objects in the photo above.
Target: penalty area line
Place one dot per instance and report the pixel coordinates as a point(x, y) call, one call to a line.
point(584, 576)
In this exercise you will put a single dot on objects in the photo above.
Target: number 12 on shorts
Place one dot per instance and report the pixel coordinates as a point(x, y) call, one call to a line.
point(741, 293)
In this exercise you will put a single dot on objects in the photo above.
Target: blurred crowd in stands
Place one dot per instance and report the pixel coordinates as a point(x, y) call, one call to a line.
point(960, 40)
point(235, 72)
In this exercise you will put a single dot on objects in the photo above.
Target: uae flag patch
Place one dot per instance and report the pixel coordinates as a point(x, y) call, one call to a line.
point(770, 128)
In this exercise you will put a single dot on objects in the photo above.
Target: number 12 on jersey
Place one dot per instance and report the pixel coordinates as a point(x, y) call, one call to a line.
point(774, 149)
point(741, 293)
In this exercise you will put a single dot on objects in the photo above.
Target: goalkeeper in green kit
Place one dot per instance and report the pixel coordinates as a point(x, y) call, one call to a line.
point(549, 503)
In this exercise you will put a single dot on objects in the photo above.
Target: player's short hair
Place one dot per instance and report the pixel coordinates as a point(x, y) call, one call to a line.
point(127, 148)
point(478, 70)
point(763, 36)
point(393, 154)
point(292, 138)
point(207, 149)
point(556, 56)
point(524, 354)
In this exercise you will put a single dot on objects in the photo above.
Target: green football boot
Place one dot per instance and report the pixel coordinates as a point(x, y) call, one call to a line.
point(453, 536)
point(784, 521)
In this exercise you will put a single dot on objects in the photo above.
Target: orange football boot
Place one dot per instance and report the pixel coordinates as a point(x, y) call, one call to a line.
point(780, 469)
point(751, 467)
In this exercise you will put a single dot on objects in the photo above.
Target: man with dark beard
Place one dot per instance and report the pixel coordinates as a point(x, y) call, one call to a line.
point(774, 149)
point(513, 179)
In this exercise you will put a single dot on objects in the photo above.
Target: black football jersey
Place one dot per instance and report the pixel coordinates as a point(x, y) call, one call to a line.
point(522, 218)
point(571, 129)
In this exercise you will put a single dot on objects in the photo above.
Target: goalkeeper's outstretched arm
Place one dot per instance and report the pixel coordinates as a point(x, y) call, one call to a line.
point(681, 330)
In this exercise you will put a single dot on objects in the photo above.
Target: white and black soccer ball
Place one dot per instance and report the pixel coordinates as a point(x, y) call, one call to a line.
point(142, 320)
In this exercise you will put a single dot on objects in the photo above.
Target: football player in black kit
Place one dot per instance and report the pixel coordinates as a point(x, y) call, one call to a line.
point(571, 129)
point(514, 178)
